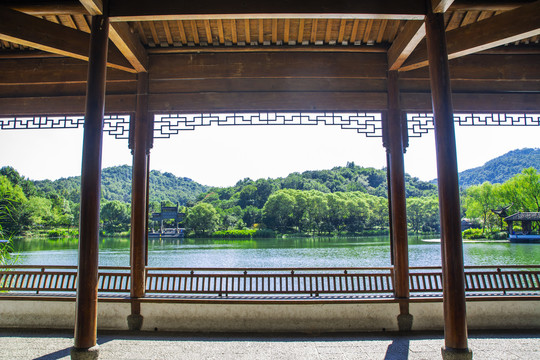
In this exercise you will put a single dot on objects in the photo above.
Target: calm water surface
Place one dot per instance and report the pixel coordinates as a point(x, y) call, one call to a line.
point(292, 252)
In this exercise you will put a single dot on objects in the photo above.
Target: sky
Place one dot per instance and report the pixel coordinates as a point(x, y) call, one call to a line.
point(222, 155)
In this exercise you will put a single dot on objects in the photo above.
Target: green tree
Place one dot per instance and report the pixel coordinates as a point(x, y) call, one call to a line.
point(202, 218)
point(115, 216)
point(278, 211)
point(12, 200)
point(479, 201)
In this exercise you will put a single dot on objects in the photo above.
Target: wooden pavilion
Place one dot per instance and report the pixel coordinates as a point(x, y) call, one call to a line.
point(62, 57)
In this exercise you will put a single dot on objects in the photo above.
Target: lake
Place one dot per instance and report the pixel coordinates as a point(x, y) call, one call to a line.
point(290, 252)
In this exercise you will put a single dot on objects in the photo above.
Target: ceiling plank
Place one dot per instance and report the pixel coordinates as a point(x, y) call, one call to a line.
point(129, 45)
point(28, 30)
point(247, 31)
point(94, 7)
point(405, 43)
point(505, 28)
point(142, 10)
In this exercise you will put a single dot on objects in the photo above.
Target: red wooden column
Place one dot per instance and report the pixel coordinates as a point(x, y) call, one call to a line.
point(455, 321)
point(398, 218)
point(139, 202)
point(87, 280)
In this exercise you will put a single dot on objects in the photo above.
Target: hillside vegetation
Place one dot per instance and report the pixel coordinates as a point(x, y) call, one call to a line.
point(502, 168)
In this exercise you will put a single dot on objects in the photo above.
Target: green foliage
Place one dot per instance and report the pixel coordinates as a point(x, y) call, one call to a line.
point(423, 214)
point(522, 192)
point(234, 234)
point(115, 216)
point(473, 234)
point(62, 233)
point(202, 218)
point(116, 185)
point(501, 169)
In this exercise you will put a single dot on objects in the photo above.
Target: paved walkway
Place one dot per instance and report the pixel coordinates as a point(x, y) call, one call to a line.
point(24, 344)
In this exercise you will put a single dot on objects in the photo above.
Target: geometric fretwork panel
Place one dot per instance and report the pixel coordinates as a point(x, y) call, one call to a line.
point(114, 125)
point(421, 123)
point(368, 124)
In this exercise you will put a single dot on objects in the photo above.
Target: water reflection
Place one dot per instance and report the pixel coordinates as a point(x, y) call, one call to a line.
point(290, 252)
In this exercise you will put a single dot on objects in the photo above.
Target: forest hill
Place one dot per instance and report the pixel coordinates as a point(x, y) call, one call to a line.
point(347, 199)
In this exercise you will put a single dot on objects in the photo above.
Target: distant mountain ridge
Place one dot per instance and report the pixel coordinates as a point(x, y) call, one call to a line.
point(116, 185)
point(502, 168)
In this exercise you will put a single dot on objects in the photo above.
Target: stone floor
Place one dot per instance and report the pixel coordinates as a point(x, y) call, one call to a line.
point(54, 344)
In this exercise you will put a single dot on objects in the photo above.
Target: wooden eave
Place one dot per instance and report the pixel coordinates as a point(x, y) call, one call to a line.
point(282, 55)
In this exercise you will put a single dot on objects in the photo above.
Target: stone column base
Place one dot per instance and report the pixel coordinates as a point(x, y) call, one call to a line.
point(135, 322)
point(405, 322)
point(85, 354)
point(456, 354)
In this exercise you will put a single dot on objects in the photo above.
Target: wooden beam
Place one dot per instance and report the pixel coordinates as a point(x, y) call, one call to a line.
point(64, 7)
point(44, 35)
point(488, 5)
point(440, 6)
point(405, 43)
point(141, 10)
point(94, 7)
point(268, 66)
point(62, 105)
point(268, 101)
point(129, 45)
point(498, 30)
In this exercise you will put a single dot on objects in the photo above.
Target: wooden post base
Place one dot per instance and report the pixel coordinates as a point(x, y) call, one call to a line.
point(456, 354)
point(405, 322)
point(85, 354)
point(135, 322)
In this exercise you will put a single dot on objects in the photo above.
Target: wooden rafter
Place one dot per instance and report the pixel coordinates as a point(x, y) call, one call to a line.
point(314, 31)
point(301, 31)
point(208, 31)
point(510, 26)
point(129, 45)
point(247, 31)
point(168, 34)
point(274, 31)
point(261, 31)
point(440, 6)
point(221, 32)
point(382, 29)
point(341, 32)
point(182, 32)
point(286, 30)
point(27, 30)
point(143, 10)
point(234, 33)
point(94, 7)
point(354, 30)
point(194, 31)
point(153, 31)
point(328, 33)
point(405, 43)
point(367, 30)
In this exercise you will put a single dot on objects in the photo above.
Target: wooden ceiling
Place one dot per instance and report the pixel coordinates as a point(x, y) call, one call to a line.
point(392, 31)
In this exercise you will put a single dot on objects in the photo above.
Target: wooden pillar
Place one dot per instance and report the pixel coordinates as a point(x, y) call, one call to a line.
point(87, 279)
point(138, 202)
point(455, 322)
point(395, 149)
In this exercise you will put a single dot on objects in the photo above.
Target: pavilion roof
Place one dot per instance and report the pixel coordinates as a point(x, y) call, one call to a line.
point(524, 216)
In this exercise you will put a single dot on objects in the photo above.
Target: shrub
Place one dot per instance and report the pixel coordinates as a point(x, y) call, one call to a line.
point(473, 234)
